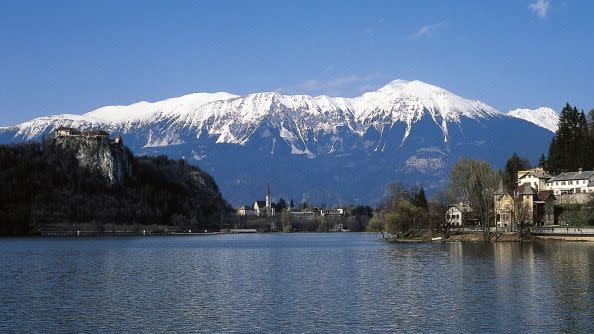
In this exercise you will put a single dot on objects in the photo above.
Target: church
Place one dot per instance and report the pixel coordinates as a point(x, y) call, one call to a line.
point(265, 208)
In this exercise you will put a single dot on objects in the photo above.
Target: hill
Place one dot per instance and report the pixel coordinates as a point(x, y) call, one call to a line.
point(94, 180)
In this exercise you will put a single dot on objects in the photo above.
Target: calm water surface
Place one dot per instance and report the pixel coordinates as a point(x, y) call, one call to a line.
point(293, 283)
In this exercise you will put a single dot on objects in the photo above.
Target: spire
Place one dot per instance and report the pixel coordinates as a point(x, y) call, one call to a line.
point(268, 203)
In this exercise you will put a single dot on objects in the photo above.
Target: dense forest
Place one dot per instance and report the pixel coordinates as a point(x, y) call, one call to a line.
point(572, 146)
point(45, 183)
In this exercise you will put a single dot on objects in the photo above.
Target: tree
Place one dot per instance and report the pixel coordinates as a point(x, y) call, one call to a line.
point(568, 149)
point(397, 192)
point(291, 204)
point(377, 224)
point(362, 210)
point(421, 200)
point(542, 162)
point(512, 166)
point(522, 214)
point(403, 217)
point(474, 182)
point(589, 149)
point(281, 205)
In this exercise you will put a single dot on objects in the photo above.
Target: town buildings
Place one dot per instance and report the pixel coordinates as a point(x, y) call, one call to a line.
point(567, 187)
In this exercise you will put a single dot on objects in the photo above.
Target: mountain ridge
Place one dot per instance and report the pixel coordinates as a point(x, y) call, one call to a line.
point(406, 130)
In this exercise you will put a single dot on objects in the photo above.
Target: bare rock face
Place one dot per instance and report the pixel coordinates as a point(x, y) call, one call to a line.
point(100, 155)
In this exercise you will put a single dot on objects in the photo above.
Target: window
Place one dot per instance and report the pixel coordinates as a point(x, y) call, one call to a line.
point(570, 182)
point(556, 183)
point(563, 183)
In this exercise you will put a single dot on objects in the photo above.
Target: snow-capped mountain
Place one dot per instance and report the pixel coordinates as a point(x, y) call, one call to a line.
point(314, 148)
point(543, 117)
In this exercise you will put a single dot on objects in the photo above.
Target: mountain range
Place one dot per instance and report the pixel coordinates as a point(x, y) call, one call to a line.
point(322, 149)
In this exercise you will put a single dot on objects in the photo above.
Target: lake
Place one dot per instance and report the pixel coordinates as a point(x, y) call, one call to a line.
point(293, 283)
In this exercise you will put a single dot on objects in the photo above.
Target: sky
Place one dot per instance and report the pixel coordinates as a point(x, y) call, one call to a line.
point(75, 56)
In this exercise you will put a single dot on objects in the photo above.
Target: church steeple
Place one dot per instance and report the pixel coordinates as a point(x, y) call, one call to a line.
point(268, 204)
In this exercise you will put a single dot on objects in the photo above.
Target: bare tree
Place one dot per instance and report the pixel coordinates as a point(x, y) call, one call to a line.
point(474, 182)
point(522, 215)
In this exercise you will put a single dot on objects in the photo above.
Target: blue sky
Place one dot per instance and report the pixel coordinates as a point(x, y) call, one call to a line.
point(75, 56)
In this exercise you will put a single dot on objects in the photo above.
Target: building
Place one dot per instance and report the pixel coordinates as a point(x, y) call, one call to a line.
point(568, 183)
point(504, 208)
point(245, 210)
point(305, 214)
point(546, 208)
point(525, 205)
point(67, 132)
point(330, 213)
point(536, 178)
point(339, 228)
point(71, 132)
point(458, 214)
point(100, 134)
point(265, 208)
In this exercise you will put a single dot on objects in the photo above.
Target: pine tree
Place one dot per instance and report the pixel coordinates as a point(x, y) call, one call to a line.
point(542, 162)
point(281, 205)
point(512, 166)
point(568, 148)
point(421, 199)
point(589, 147)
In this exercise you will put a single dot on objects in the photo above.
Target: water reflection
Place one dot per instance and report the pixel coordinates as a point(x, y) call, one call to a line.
point(294, 283)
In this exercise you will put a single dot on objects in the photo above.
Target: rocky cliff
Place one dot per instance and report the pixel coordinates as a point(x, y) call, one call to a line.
point(100, 155)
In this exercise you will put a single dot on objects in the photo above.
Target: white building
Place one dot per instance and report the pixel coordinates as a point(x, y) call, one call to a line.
point(67, 132)
point(245, 210)
point(308, 215)
point(457, 214)
point(335, 212)
point(572, 183)
point(537, 178)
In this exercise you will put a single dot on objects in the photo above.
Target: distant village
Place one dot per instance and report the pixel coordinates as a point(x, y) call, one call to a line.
point(533, 201)
point(266, 208)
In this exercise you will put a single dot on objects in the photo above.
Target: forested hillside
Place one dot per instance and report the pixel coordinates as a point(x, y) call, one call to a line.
point(48, 183)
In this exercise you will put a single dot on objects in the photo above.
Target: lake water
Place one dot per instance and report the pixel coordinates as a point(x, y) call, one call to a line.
point(293, 283)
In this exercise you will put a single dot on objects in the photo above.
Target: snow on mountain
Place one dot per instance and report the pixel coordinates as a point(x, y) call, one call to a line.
point(319, 148)
point(409, 101)
point(233, 118)
point(136, 111)
point(543, 117)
